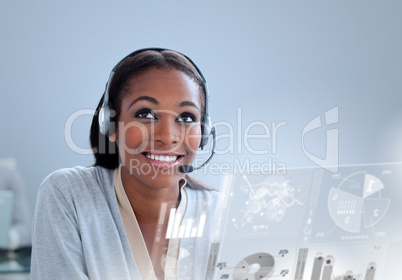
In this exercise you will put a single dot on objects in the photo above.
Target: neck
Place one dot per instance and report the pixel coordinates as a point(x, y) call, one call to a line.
point(148, 201)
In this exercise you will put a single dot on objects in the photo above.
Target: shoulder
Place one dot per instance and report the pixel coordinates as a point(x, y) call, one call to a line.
point(77, 175)
point(77, 179)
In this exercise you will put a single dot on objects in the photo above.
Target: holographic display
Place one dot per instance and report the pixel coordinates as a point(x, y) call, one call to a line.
point(311, 224)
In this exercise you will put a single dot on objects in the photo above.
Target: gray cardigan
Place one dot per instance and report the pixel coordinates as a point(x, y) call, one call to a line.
point(78, 232)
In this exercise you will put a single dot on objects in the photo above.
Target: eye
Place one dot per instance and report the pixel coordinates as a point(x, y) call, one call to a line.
point(186, 118)
point(145, 114)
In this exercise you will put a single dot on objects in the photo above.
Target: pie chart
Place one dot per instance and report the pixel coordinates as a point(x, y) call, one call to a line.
point(256, 266)
point(357, 202)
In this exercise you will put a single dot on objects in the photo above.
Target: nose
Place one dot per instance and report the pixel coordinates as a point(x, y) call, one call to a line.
point(167, 131)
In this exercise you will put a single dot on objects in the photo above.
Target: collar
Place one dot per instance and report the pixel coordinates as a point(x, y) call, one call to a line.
point(135, 237)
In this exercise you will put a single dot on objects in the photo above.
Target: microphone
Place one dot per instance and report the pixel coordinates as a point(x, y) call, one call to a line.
point(187, 168)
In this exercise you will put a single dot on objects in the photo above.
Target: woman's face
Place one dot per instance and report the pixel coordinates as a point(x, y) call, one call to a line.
point(159, 126)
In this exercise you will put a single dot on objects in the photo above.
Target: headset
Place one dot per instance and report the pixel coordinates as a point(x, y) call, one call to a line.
point(106, 113)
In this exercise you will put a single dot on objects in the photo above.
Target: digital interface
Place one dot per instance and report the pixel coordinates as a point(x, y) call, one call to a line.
point(311, 224)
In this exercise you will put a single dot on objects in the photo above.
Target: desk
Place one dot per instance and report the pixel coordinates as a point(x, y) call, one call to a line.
point(15, 265)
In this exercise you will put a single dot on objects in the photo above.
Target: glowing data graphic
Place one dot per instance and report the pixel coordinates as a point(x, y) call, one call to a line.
point(186, 229)
point(256, 266)
point(311, 224)
point(253, 259)
point(269, 199)
point(357, 202)
point(261, 204)
point(323, 269)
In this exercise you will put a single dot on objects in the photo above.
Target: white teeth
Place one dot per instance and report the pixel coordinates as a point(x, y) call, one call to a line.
point(162, 158)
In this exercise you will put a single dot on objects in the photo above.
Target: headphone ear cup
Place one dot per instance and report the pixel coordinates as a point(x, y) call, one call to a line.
point(205, 131)
point(104, 120)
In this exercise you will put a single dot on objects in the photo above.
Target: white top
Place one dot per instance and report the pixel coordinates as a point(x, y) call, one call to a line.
point(136, 239)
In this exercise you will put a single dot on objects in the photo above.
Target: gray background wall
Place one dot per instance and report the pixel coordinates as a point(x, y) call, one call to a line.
point(276, 61)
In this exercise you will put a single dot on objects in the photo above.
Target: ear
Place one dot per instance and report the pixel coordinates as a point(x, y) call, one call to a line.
point(113, 137)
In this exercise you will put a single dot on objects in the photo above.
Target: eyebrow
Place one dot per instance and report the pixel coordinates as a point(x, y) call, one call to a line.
point(156, 102)
point(189, 103)
point(147, 98)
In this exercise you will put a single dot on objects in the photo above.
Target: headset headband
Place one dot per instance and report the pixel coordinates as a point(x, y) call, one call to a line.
point(104, 114)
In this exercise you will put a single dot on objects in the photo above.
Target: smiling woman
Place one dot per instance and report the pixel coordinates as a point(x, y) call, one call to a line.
point(153, 124)
point(135, 214)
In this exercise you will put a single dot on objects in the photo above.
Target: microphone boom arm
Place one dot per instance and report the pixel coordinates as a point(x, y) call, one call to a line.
point(190, 168)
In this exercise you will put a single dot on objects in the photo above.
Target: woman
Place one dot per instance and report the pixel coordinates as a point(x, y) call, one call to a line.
point(135, 214)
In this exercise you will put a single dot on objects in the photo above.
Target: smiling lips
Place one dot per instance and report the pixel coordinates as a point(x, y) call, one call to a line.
point(163, 161)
